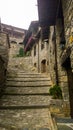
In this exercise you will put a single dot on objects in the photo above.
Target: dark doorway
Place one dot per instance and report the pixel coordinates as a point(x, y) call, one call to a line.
point(67, 66)
point(34, 64)
point(43, 66)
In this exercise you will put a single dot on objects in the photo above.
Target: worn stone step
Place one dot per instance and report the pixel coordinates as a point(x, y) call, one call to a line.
point(26, 118)
point(64, 127)
point(42, 85)
point(14, 128)
point(27, 75)
point(26, 100)
point(29, 90)
point(23, 72)
point(64, 123)
point(24, 107)
point(26, 94)
point(28, 79)
point(30, 83)
point(64, 120)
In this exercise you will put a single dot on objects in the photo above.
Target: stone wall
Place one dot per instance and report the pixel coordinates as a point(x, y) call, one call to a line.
point(16, 62)
point(20, 63)
point(2, 74)
point(52, 56)
point(68, 21)
point(68, 25)
point(4, 50)
point(62, 73)
point(68, 17)
point(14, 49)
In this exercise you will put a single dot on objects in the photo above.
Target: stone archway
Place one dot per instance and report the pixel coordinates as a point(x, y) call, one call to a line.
point(43, 66)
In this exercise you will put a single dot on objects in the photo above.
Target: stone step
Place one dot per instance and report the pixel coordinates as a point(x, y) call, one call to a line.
point(24, 107)
point(42, 85)
point(29, 90)
point(14, 128)
point(33, 119)
point(22, 75)
point(28, 79)
point(25, 100)
point(28, 83)
point(35, 73)
point(64, 127)
point(64, 120)
point(64, 123)
point(23, 72)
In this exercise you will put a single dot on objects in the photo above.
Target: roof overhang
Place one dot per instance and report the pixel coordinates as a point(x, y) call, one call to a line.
point(29, 44)
point(30, 37)
point(47, 10)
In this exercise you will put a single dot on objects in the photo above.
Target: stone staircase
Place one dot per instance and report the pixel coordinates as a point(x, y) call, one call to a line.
point(25, 103)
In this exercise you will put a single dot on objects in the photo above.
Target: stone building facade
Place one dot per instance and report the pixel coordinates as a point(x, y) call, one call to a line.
point(68, 52)
point(61, 61)
point(57, 56)
point(37, 44)
point(16, 34)
point(39, 53)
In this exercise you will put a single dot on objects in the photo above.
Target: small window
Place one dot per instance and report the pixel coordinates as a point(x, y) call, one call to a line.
point(34, 50)
point(42, 45)
point(14, 42)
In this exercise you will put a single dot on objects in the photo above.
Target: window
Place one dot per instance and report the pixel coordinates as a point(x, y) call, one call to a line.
point(34, 50)
point(42, 45)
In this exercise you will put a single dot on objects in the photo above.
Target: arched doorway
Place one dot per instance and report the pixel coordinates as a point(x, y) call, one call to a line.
point(43, 66)
point(67, 66)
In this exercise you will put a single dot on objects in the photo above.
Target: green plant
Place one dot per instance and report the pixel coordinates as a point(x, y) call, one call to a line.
point(21, 52)
point(56, 92)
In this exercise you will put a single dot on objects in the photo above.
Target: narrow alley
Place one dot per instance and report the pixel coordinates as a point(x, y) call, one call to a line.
point(36, 66)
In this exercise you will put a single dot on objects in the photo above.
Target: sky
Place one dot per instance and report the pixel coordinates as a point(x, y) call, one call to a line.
point(18, 13)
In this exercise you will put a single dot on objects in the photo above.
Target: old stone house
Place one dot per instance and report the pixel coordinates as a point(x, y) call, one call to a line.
point(53, 53)
point(16, 34)
point(37, 43)
point(60, 51)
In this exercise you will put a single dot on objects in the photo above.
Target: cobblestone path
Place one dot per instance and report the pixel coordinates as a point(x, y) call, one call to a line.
point(25, 103)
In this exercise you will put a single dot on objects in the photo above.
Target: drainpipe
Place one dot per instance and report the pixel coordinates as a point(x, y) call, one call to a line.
point(56, 64)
